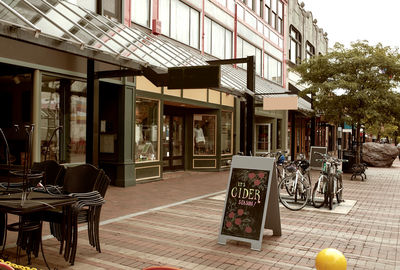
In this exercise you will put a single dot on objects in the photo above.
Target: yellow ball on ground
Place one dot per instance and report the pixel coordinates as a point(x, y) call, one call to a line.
point(330, 259)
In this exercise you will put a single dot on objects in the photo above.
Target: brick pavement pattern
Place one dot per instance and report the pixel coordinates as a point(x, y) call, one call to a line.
point(176, 221)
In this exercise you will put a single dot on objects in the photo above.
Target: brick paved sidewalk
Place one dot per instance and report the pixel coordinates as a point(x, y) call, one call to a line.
point(174, 222)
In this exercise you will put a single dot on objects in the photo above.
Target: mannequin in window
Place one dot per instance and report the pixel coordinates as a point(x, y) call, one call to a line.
point(199, 139)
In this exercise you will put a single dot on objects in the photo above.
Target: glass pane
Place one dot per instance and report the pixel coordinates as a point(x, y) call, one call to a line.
point(280, 9)
point(279, 73)
point(112, 9)
point(266, 60)
point(141, 12)
point(273, 5)
point(165, 135)
point(272, 69)
point(258, 61)
point(178, 136)
point(231, 5)
point(146, 130)
point(194, 28)
point(262, 135)
point(66, 98)
point(207, 35)
point(228, 44)
point(180, 14)
point(218, 40)
point(204, 134)
point(164, 16)
point(292, 51)
point(240, 12)
point(226, 135)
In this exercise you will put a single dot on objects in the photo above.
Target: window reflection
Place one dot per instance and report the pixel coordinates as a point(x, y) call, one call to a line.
point(63, 103)
point(263, 138)
point(226, 134)
point(204, 127)
point(146, 130)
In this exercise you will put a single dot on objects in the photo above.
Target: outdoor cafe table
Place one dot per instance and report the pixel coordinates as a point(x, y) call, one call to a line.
point(36, 202)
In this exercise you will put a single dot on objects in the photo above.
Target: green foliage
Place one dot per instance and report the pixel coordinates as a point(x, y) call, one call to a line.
point(366, 75)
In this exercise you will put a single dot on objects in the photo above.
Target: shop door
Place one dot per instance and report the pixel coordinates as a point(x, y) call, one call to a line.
point(263, 138)
point(173, 142)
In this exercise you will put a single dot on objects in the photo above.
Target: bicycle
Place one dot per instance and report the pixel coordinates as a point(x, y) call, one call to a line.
point(282, 166)
point(329, 184)
point(295, 190)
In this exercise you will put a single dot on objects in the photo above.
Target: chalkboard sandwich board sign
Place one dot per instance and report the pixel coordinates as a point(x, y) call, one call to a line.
point(251, 201)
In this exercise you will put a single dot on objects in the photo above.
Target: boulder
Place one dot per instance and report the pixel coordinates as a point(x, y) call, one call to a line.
point(379, 155)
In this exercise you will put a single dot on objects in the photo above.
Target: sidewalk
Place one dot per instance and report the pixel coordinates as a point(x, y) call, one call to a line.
point(176, 221)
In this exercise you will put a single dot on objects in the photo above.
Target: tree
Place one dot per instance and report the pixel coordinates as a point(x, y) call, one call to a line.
point(365, 75)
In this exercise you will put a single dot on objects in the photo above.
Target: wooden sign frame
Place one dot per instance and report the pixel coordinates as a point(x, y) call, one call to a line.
point(251, 202)
point(317, 165)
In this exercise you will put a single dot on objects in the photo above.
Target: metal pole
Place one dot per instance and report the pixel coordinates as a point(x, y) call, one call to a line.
point(250, 111)
point(339, 141)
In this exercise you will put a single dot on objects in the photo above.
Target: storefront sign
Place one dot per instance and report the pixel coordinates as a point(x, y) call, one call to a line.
point(251, 202)
point(273, 103)
point(194, 77)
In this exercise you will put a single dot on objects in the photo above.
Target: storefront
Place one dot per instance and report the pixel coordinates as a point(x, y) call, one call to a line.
point(181, 129)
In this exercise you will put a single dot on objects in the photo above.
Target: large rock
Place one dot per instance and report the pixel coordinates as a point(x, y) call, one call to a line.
point(379, 155)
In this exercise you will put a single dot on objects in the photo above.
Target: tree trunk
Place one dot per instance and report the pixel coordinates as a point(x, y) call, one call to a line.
point(358, 144)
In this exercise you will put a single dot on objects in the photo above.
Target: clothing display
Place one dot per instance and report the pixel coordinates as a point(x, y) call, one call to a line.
point(199, 135)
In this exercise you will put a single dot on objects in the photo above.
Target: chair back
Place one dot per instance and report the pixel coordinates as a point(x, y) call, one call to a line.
point(102, 184)
point(81, 178)
point(53, 172)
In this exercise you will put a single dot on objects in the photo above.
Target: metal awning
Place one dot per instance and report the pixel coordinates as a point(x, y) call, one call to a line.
point(64, 26)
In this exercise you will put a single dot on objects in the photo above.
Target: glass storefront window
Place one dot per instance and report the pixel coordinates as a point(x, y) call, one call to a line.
point(146, 130)
point(63, 104)
point(263, 138)
point(226, 134)
point(204, 129)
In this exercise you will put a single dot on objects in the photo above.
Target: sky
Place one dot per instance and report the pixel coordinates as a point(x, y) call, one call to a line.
point(346, 21)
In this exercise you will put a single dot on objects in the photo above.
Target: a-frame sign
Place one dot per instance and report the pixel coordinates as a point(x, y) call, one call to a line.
point(251, 202)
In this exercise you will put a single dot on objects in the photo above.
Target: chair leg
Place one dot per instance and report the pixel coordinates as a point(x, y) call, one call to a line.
point(75, 239)
point(5, 234)
point(68, 233)
point(96, 222)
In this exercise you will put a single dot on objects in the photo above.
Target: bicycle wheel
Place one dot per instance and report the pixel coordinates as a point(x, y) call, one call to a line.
point(339, 193)
point(298, 196)
point(331, 192)
point(319, 192)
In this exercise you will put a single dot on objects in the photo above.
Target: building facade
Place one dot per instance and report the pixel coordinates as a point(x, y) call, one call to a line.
point(305, 39)
point(87, 75)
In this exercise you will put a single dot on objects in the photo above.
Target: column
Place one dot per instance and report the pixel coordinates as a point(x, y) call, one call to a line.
point(125, 167)
point(36, 108)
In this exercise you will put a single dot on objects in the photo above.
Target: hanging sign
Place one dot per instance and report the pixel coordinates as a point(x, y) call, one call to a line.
point(251, 202)
point(274, 103)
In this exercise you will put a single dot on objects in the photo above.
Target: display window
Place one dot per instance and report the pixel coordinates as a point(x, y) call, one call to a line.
point(146, 130)
point(226, 133)
point(263, 138)
point(63, 119)
point(204, 134)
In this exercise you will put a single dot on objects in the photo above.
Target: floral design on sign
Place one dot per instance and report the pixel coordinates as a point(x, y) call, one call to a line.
point(245, 203)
